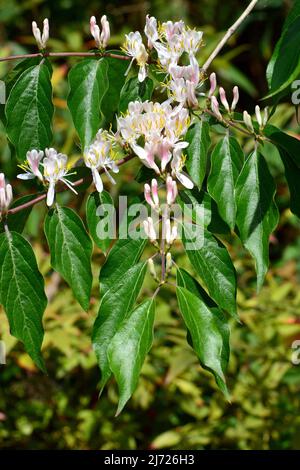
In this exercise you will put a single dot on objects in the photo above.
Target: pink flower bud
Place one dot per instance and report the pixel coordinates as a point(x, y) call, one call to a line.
point(236, 97)
point(154, 186)
point(215, 107)
point(213, 84)
point(105, 33)
point(223, 98)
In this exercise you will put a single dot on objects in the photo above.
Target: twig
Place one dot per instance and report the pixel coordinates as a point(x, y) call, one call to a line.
point(65, 54)
point(43, 196)
point(228, 35)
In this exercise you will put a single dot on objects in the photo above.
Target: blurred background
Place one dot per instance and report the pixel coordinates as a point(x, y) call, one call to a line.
point(177, 404)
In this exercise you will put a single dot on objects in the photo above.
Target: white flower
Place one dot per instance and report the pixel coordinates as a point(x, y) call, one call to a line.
point(55, 169)
point(177, 164)
point(135, 48)
point(261, 119)
point(31, 166)
point(6, 195)
point(216, 108)
point(235, 99)
point(97, 157)
point(41, 39)
point(151, 30)
point(102, 38)
point(192, 40)
point(151, 194)
point(170, 232)
point(169, 29)
point(172, 190)
point(248, 121)
point(149, 229)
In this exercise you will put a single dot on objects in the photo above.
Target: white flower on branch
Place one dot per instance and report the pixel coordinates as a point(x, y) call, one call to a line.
point(151, 31)
point(6, 195)
point(97, 157)
point(31, 165)
point(41, 39)
point(135, 48)
point(55, 169)
point(102, 38)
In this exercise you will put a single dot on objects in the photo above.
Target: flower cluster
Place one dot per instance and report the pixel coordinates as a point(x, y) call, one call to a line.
point(155, 131)
point(49, 170)
point(6, 195)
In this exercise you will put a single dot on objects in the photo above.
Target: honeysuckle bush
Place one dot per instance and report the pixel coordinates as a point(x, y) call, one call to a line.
point(156, 102)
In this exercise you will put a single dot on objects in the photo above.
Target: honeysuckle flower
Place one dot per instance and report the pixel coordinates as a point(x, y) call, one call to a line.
point(151, 31)
point(172, 191)
point(170, 232)
point(192, 40)
point(215, 107)
point(102, 38)
point(170, 28)
point(177, 165)
point(169, 262)
point(213, 84)
point(150, 229)
point(236, 97)
point(6, 195)
point(223, 98)
point(135, 48)
point(31, 166)
point(55, 169)
point(151, 194)
point(41, 39)
point(97, 156)
point(261, 119)
point(248, 121)
point(147, 155)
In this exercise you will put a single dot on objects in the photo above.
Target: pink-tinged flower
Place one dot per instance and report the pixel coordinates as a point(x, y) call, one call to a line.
point(31, 166)
point(215, 107)
point(213, 84)
point(151, 194)
point(102, 38)
point(223, 98)
point(41, 39)
point(236, 97)
point(147, 155)
point(151, 31)
point(171, 190)
point(6, 195)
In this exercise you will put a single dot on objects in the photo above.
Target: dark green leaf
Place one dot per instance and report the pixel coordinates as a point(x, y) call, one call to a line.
point(133, 90)
point(226, 163)
point(22, 293)
point(129, 347)
point(71, 251)
point(29, 110)
point(199, 143)
point(257, 214)
point(213, 264)
point(88, 84)
point(209, 332)
point(97, 208)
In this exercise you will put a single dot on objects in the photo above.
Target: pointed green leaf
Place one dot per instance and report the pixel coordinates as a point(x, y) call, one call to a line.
point(29, 110)
point(97, 208)
point(121, 280)
point(226, 164)
point(71, 251)
point(199, 143)
point(88, 84)
point(134, 90)
point(257, 214)
point(22, 293)
point(129, 347)
point(213, 264)
point(209, 332)
point(201, 208)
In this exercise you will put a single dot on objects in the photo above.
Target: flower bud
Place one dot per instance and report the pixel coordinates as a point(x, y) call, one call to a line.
point(169, 262)
point(152, 268)
point(6, 195)
point(223, 98)
point(213, 84)
point(248, 121)
point(105, 33)
point(236, 97)
point(215, 107)
point(41, 39)
point(258, 115)
point(149, 229)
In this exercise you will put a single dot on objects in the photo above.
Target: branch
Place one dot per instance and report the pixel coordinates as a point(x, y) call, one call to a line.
point(43, 196)
point(228, 35)
point(65, 54)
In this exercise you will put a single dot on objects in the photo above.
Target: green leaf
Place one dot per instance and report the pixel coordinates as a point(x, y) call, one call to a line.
point(201, 208)
point(213, 264)
point(199, 143)
point(88, 82)
point(129, 347)
point(121, 280)
point(116, 79)
point(226, 164)
point(29, 110)
point(289, 151)
point(71, 251)
point(209, 332)
point(257, 214)
point(96, 216)
point(133, 90)
point(22, 293)
point(285, 64)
